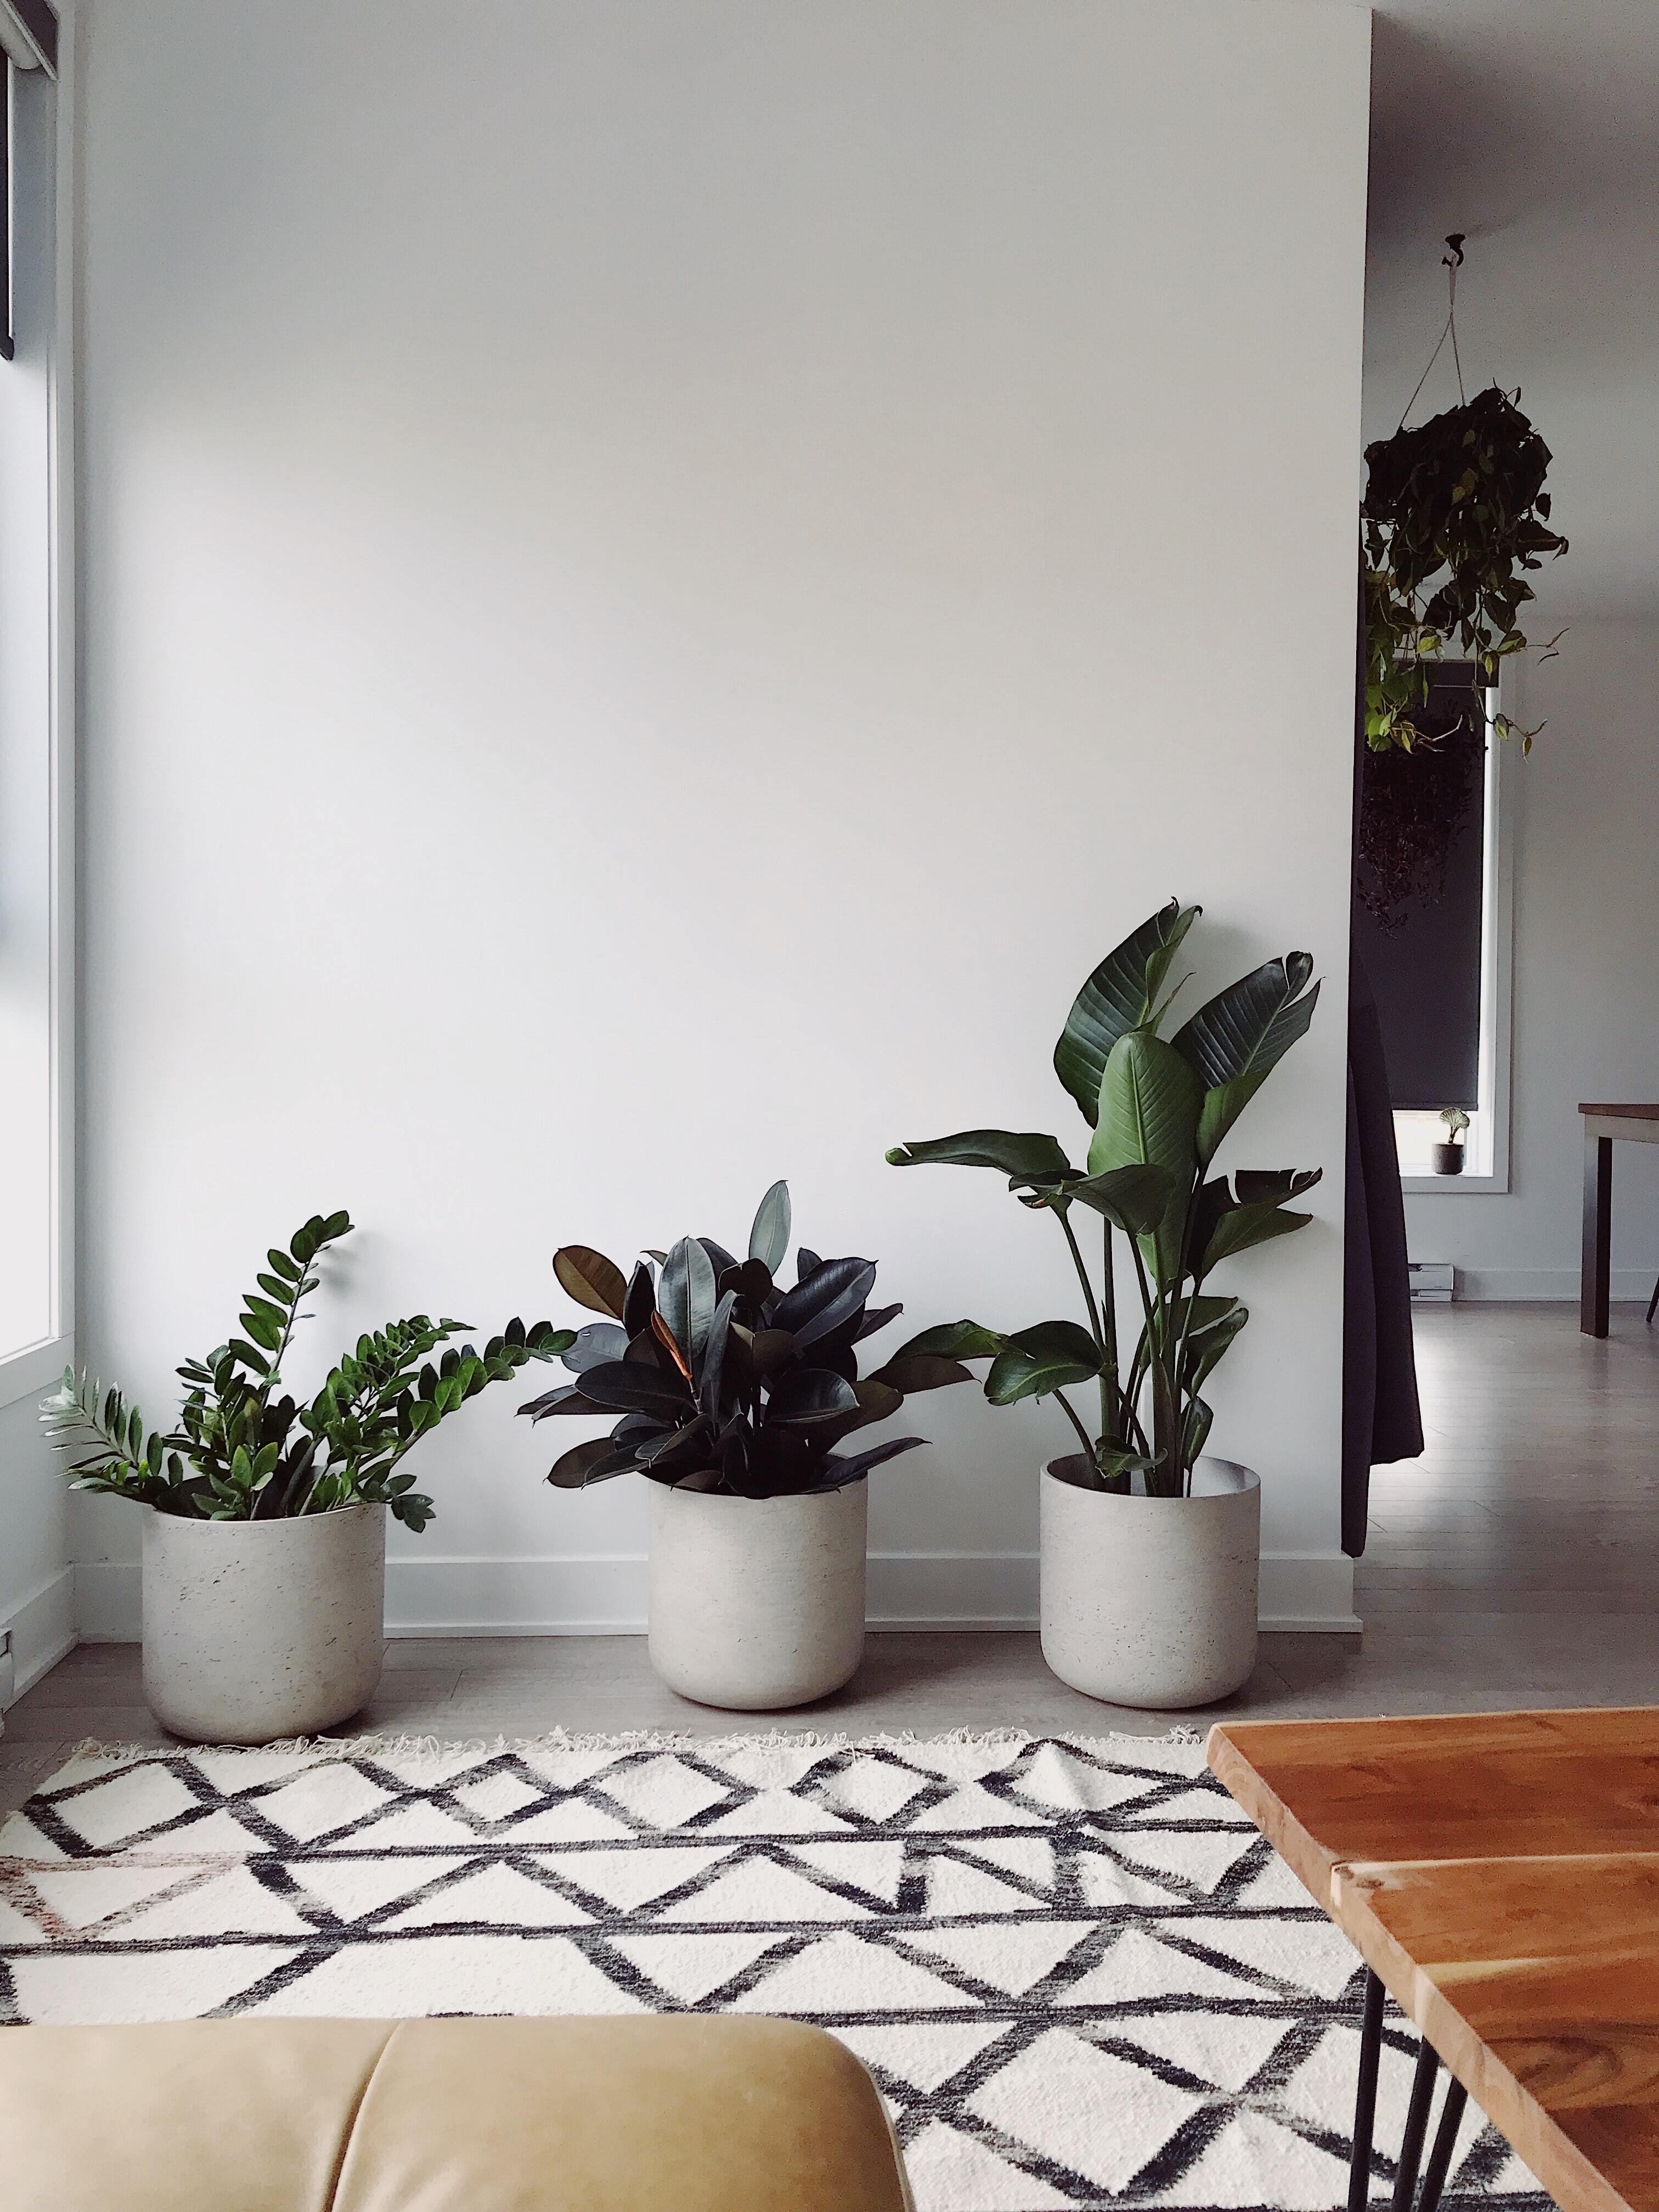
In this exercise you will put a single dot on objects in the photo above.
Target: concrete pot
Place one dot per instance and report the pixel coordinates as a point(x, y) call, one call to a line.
point(1447, 1158)
point(757, 1603)
point(260, 1629)
point(1152, 1600)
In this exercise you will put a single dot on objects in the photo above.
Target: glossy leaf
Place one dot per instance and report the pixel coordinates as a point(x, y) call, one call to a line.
point(1150, 1100)
point(1117, 998)
point(1035, 1362)
point(573, 1468)
point(1251, 1025)
point(920, 1371)
point(1020, 1153)
point(632, 1388)
point(769, 1239)
point(810, 1394)
point(953, 1340)
point(877, 1318)
point(592, 1280)
point(1134, 1198)
point(594, 1345)
point(686, 1296)
point(1246, 1225)
point(1235, 1042)
point(713, 1357)
point(640, 1300)
point(831, 1296)
point(838, 1471)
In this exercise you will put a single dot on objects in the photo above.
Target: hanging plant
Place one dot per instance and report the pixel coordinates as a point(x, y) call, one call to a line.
point(1414, 809)
point(1455, 518)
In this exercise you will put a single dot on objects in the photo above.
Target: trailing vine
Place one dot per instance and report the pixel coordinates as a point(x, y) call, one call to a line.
point(1455, 519)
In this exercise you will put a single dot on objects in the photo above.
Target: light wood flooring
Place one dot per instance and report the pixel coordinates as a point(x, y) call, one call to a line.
point(1513, 1564)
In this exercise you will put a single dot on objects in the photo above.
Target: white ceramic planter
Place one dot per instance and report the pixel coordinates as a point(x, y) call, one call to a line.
point(1152, 1600)
point(757, 1603)
point(260, 1629)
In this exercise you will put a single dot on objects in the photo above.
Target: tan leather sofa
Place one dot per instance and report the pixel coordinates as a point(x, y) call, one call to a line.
point(675, 2113)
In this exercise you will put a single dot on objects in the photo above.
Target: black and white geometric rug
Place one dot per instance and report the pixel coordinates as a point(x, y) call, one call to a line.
point(1080, 1977)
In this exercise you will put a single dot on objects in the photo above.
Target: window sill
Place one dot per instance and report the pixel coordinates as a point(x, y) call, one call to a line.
point(32, 1371)
point(1440, 1186)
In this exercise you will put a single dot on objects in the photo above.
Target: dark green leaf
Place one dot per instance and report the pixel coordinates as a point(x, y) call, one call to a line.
point(1020, 1153)
point(632, 1388)
point(920, 1371)
point(953, 1340)
point(805, 1394)
point(1245, 1226)
point(837, 1472)
point(829, 1296)
point(573, 1468)
point(769, 1240)
point(1117, 998)
point(686, 1296)
point(1036, 1361)
point(640, 1300)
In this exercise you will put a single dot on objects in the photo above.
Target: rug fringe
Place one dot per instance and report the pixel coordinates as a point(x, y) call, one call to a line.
point(976, 1742)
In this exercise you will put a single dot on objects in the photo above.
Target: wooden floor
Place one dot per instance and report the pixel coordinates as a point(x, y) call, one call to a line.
point(1516, 1563)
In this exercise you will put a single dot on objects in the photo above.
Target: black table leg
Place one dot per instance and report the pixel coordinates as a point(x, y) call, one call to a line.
point(1445, 2139)
point(1595, 1262)
point(1417, 2126)
point(1406, 2196)
point(1365, 2103)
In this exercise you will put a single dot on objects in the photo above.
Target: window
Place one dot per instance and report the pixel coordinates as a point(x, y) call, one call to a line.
point(36, 830)
point(1438, 952)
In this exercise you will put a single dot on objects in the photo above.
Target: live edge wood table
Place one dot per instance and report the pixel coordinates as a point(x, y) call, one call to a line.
point(1604, 1127)
point(1498, 1874)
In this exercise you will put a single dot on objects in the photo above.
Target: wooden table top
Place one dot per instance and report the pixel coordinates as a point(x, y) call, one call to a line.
point(1623, 1113)
point(1500, 1872)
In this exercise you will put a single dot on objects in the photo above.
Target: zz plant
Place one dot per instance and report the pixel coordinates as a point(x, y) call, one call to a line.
point(246, 1450)
point(1158, 1109)
point(716, 1378)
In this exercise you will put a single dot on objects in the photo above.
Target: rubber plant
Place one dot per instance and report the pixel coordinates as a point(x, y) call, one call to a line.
point(246, 1450)
point(716, 1378)
point(1158, 1109)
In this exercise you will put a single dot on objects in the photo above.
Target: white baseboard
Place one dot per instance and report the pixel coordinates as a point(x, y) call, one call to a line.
point(1548, 1285)
point(606, 1595)
point(42, 1628)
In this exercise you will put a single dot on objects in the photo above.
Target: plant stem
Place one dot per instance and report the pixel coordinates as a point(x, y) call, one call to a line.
point(1082, 1433)
point(1063, 1214)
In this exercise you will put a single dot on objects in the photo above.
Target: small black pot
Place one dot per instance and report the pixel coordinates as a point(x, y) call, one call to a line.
point(1447, 1159)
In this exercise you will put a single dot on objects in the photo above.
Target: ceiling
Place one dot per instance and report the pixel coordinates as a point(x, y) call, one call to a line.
point(1532, 125)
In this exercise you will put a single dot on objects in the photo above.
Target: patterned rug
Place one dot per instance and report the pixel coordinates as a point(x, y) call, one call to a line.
point(1080, 1977)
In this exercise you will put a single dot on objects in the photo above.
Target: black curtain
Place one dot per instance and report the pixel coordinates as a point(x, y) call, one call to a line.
point(1382, 1420)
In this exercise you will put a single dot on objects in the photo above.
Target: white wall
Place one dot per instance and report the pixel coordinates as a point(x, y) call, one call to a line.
point(660, 582)
point(37, 1584)
point(1586, 1005)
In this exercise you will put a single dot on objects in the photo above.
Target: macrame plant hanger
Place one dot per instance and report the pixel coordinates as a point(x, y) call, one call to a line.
point(1451, 263)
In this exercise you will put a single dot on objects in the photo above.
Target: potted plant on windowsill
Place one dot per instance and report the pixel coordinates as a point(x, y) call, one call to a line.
point(1449, 1155)
point(734, 1395)
point(1150, 1549)
point(264, 1536)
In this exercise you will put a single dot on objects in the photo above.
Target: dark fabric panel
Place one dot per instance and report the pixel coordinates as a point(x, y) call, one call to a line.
point(1425, 968)
point(1382, 1418)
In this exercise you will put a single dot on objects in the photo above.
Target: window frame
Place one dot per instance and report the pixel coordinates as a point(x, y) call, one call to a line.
point(32, 1368)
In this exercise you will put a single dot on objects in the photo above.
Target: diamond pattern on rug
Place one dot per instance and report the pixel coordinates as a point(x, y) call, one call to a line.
point(1080, 1976)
